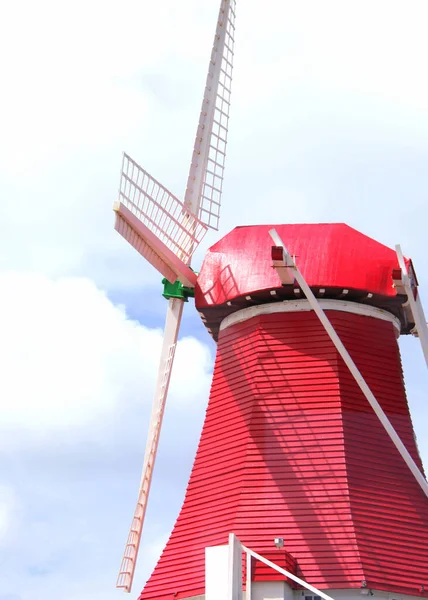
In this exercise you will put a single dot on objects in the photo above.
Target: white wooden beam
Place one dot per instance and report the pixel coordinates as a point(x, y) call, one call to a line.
point(415, 304)
point(352, 366)
point(235, 568)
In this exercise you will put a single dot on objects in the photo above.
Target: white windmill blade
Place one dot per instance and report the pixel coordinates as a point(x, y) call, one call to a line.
point(205, 182)
point(157, 224)
point(409, 283)
point(167, 232)
point(172, 326)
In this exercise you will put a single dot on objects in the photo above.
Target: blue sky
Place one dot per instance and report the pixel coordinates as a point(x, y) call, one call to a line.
point(329, 123)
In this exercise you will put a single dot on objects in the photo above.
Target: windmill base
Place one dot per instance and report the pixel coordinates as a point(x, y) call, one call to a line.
point(224, 580)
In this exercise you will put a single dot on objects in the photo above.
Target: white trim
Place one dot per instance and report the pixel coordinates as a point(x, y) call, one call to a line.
point(303, 305)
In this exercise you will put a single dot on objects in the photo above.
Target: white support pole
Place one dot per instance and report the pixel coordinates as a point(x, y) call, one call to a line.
point(248, 577)
point(415, 304)
point(287, 574)
point(235, 568)
point(351, 365)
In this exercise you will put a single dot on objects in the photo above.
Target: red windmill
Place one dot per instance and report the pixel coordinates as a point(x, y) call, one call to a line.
point(307, 462)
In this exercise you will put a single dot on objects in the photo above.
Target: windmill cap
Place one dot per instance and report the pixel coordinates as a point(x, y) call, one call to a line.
point(342, 262)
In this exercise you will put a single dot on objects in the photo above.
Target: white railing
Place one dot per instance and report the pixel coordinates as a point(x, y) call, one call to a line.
point(235, 570)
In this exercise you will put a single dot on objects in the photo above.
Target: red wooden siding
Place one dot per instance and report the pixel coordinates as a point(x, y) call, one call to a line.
point(390, 511)
point(290, 448)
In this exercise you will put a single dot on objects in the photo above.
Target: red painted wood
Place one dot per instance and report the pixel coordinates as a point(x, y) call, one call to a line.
point(241, 263)
point(290, 448)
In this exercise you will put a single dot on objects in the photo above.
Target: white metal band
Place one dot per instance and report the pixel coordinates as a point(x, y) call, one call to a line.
point(303, 305)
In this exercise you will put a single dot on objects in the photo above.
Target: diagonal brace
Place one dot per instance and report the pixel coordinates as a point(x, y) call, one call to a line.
point(352, 366)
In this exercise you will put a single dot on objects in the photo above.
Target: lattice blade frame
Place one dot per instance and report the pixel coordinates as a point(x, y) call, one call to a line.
point(157, 224)
point(205, 182)
point(160, 211)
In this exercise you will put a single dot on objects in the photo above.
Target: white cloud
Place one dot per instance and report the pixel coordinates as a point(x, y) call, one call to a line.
point(75, 397)
point(70, 358)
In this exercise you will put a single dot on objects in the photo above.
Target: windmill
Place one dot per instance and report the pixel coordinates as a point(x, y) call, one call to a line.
point(307, 452)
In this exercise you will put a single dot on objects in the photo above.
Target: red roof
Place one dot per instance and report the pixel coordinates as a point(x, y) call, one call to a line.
point(290, 448)
point(329, 255)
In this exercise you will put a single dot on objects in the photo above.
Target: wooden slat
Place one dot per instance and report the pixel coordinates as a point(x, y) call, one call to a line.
point(290, 448)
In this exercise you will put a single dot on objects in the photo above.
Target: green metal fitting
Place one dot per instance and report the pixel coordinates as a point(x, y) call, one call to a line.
point(177, 290)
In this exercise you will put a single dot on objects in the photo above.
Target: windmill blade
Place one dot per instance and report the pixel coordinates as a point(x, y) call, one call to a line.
point(157, 224)
point(172, 326)
point(409, 283)
point(205, 182)
point(167, 232)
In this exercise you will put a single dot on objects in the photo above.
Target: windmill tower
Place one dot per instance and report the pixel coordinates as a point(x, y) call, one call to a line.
point(307, 462)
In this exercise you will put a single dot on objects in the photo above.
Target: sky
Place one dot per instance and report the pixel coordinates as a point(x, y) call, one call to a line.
point(329, 122)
